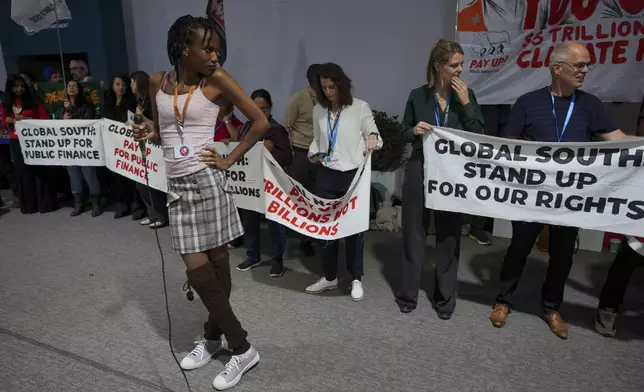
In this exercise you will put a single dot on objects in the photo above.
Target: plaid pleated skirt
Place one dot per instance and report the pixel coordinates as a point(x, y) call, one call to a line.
point(202, 212)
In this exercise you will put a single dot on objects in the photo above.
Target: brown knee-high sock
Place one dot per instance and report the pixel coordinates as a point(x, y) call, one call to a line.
point(204, 280)
point(222, 271)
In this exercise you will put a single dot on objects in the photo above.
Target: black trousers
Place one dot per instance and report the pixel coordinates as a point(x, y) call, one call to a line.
point(6, 168)
point(155, 207)
point(415, 221)
point(34, 184)
point(620, 273)
point(124, 195)
point(561, 249)
point(302, 170)
point(333, 184)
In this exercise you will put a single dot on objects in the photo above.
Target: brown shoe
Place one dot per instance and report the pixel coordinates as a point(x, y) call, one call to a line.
point(556, 324)
point(499, 315)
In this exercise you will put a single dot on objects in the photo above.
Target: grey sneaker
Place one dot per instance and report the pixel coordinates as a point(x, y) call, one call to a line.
point(235, 369)
point(201, 354)
point(605, 321)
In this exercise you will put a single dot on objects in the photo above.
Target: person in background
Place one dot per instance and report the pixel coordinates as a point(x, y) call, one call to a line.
point(34, 186)
point(228, 125)
point(344, 130)
point(298, 121)
point(52, 75)
point(118, 101)
point(76, 107)
point(226, 130)
point(155, 201)
point(444, 101)
point(558, 113)
point(277, 142)
point(629, 257)
point(80, 71)
point(7, 173)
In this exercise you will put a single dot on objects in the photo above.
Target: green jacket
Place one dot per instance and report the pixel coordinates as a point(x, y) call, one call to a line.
point(420, 107)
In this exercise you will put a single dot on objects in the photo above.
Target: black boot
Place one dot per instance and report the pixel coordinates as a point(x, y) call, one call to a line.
point(78, 204)
point(96, 206)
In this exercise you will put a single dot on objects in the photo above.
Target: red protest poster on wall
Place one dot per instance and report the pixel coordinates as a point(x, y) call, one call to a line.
point(508, 43)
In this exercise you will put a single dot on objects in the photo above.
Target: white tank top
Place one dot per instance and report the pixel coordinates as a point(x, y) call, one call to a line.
point(198, 129)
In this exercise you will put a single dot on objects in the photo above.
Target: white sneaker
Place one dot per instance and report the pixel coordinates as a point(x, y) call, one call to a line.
point(201, 354)
point(235, 369)
point(322, 285)
point(145, 221)
point(356, 290)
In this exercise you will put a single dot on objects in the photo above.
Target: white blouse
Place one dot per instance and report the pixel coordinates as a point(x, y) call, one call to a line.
point(356, 123)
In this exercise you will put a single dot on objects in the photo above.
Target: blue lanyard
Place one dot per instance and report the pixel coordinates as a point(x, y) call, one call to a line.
point(333, 131)
point(437, 110)
point(568, 115)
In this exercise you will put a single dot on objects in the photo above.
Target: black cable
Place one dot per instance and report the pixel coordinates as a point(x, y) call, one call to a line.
point(165, 284)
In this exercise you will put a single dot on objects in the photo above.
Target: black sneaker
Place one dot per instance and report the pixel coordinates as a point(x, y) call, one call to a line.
point(277, 270)
point(248, 264)
point(605, 321)
point(481, 237)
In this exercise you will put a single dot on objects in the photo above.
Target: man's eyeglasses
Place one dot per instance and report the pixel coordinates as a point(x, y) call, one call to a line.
point(578, 67)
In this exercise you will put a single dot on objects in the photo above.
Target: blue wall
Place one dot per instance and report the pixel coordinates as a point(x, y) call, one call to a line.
point(96, 28)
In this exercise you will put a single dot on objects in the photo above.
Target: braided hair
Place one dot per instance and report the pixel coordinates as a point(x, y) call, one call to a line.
point(182, 33)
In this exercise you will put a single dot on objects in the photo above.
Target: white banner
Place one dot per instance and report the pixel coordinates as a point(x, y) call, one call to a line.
point(507, 45)
point(35, 15)
point(595, 186)
point(61, 143)
point(245, 179)
point(288, 203)
point(123, 156)
point(256, 181)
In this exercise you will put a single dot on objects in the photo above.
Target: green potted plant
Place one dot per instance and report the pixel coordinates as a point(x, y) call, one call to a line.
point(387, 163)
point(390, 156)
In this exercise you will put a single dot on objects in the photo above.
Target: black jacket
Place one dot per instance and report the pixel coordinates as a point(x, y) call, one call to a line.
point(420, 107)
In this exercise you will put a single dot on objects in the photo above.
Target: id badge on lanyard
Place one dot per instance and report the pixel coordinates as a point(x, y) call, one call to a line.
point(568, 115)
point(332, 133)
point(184, 150)
point(437, 110)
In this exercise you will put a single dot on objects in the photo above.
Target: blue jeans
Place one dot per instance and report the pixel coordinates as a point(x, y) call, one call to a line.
point(251, 221)
point(76, 175)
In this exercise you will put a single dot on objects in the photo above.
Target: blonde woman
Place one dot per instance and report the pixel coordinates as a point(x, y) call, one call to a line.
point(445, 101)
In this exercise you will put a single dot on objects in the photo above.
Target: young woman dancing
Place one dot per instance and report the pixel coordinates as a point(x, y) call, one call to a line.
point(203, 216)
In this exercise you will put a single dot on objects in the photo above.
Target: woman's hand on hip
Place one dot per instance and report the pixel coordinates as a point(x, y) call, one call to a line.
point(211, 157)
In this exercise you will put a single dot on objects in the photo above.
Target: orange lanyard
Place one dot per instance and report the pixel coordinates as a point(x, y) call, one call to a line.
point(177, 115)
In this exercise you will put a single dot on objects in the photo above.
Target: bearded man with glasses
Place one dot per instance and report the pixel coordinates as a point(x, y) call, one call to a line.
point(556, 113)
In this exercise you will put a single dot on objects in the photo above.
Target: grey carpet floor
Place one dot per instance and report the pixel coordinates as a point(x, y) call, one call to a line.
point(82, 309)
